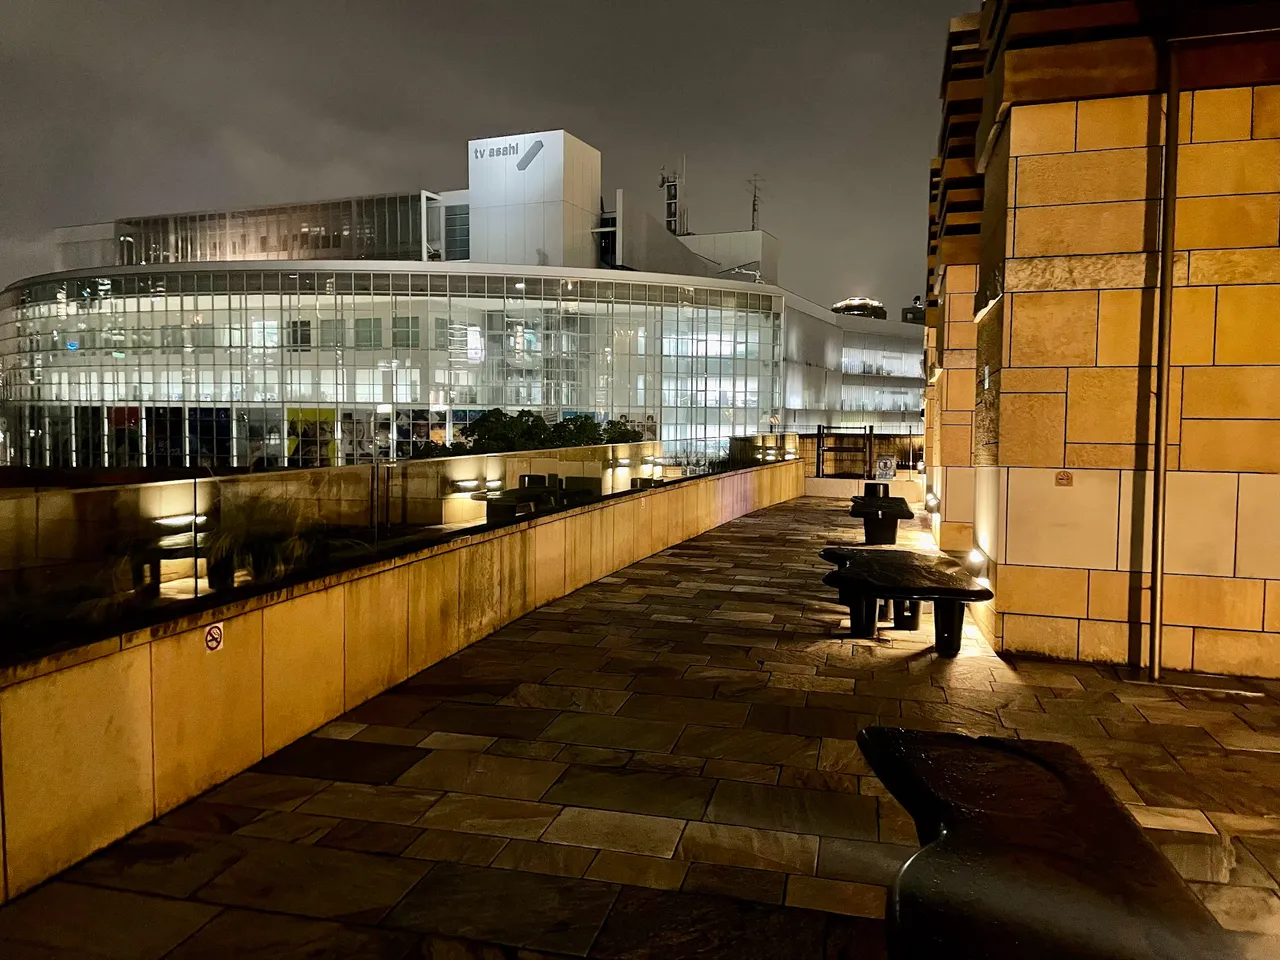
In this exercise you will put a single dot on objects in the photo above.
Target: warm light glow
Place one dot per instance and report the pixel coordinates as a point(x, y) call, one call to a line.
point(181, 520)
point(493, 484)
point(984, 581)
point(977, 556)
point(467, 484)
point(624, 462)
point(520, 285)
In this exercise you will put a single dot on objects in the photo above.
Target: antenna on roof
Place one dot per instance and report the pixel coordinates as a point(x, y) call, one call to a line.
point(675, 214)
point(755, 182)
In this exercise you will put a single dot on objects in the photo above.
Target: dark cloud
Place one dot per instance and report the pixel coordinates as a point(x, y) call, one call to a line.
point(133, 107)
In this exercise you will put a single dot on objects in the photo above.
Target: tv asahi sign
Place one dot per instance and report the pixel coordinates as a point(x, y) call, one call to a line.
point(509, 150)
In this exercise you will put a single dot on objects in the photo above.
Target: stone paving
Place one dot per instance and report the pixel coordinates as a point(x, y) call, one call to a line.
point(660, 764)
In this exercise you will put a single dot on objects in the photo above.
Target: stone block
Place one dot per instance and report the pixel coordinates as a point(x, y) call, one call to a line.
point(1216, 223)
point(1237, 653)
point(1098, 228)
point(955, 537)
point(1108, 456)
point(1031, 380)
point(959, 390)
point(1226, 603)
point(959, 307)
point(1052, 526)
point(1133, 545)
point(1211, 267)
point(377, 634)
point(1266, 112)
point(1192, 330)
point(515, 571)
point(75, 751)
point(961, 278)
point(1108, 272)
point(1126, 323)
point(957, 446)
point(1093, 177)
point(1118, 594)
point(578, 540)
point(1231, 393)
point(1245, 332)
point(1056, 329)
point(1031, 429)
point(302, 666)
point(1233, 446)
point(1042, 591)
point(1050, 636)
point(957, 503)
point(1115, 122)
point(962, 335)
point(206, 708)
point(1258, 530)
point(1271, 614)
point(1102, 406)
point(1042, 128)
point(480, 590)
point(1104, 641)
point(549, 561)
point(433, 610)
point(1201, 516)
point(1219, 169)
point(1222, 114)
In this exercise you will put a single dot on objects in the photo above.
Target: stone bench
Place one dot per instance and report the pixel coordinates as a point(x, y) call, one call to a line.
point(865, 577)
point(1027, 854)
point(880, 516)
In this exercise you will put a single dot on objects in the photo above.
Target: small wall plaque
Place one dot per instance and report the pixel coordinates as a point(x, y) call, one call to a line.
point(213, 638)
point(1064, 479)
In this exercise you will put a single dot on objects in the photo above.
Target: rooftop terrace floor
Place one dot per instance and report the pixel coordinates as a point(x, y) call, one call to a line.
point(661, 763)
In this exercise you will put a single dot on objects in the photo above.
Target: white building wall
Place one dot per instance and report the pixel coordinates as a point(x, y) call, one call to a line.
point(728, 250)
point(534, 198)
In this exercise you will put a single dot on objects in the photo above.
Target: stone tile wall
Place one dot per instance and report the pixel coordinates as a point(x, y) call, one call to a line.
point(953, 408)
point(1066, 369)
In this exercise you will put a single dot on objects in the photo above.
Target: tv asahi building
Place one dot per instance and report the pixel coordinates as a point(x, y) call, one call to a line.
point(340, 331)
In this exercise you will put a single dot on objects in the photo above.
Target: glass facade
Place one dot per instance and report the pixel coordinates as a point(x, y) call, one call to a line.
point(362, 228)
point(289, 366)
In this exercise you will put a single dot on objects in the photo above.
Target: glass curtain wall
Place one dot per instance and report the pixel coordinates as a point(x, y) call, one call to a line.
point(300, 368)
point(364, 228)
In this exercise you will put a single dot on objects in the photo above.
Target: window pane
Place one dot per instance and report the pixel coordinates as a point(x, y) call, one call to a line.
point(405, 332)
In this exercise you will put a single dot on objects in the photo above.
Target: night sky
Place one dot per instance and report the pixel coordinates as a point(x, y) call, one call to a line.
point(127, 108)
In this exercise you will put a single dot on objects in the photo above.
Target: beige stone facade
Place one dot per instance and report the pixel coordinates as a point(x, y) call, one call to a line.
point(1063, 411)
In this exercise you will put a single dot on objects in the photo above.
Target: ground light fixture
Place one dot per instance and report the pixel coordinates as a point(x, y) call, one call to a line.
point(976, 561)
point(465, 486)
point(493, 484)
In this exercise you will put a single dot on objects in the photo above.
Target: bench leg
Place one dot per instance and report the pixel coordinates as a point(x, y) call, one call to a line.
point(884, 611)
point(948, 624)
point(880, 531)
point(862, 616)
point(906, 614)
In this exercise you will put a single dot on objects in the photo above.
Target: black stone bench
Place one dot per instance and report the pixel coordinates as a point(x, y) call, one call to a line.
point(509, 505)
point(865, 577)
point(1027, 854)
point(880, 516)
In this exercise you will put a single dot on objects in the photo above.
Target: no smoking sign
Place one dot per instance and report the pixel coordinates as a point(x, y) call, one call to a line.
point(213, 638)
